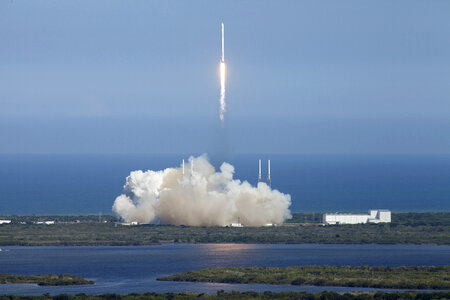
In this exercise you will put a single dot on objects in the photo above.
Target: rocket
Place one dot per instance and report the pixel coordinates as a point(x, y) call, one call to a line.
point(222, 58)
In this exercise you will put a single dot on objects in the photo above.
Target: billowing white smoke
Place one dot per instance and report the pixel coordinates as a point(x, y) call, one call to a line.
point(203, 197)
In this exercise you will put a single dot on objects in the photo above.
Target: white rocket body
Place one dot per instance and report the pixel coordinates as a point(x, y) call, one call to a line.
point(222, 57)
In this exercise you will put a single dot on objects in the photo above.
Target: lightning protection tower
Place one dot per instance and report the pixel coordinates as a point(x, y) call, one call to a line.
point(259, 174)
point(183, 168)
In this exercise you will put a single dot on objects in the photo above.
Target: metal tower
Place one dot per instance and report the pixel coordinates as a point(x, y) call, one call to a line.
point(259, 174)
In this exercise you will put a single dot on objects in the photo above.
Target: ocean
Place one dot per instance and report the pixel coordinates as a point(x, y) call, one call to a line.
point(88, 184)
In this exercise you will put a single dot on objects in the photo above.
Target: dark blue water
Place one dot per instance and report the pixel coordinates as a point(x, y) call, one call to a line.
point(68, 184)
point(135, 269)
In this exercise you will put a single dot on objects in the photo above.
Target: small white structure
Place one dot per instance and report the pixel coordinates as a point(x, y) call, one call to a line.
point(129, 223)
point(45, 222)
point(374, 216)
point(5, 221)
point(238, 224)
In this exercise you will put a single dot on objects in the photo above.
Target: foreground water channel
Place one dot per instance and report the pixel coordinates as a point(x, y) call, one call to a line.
point(135, 268)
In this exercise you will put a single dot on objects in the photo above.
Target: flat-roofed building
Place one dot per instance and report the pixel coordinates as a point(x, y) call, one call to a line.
point(374, 216)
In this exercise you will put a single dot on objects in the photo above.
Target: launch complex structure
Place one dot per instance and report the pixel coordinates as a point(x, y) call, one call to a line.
point(269, 180)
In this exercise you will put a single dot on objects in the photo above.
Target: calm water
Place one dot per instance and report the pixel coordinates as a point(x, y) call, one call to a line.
point(68, 184)
point(135, 269)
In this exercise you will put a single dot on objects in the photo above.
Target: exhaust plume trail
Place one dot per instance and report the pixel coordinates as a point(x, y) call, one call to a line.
point(204, 198)
point(223, 104)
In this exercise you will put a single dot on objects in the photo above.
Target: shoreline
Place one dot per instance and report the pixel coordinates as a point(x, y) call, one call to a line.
point(402, 277)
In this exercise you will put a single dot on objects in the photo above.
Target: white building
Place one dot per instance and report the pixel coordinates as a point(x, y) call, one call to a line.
point(374, 216)
point(45, 222)
point(129, 223)
point(5, 221)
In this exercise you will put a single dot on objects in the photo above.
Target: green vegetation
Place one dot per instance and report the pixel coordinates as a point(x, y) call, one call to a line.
point(242, 295)
point(47, 279)
point(421, 219)
point(407, 228)
point(305, 218)
point(406, 277)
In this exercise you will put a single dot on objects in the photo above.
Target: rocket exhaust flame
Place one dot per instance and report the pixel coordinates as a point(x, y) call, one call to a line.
point(222, 73)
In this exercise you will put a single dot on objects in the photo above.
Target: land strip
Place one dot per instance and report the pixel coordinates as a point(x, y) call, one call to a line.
point(405, 277)
point(411, 228)
point(47, 279)
point(241, 295)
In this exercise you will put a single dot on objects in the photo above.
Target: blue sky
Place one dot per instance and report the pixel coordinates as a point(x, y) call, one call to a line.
point(111, 76)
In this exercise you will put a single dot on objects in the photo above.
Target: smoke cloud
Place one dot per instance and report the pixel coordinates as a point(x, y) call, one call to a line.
point(202, 197)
